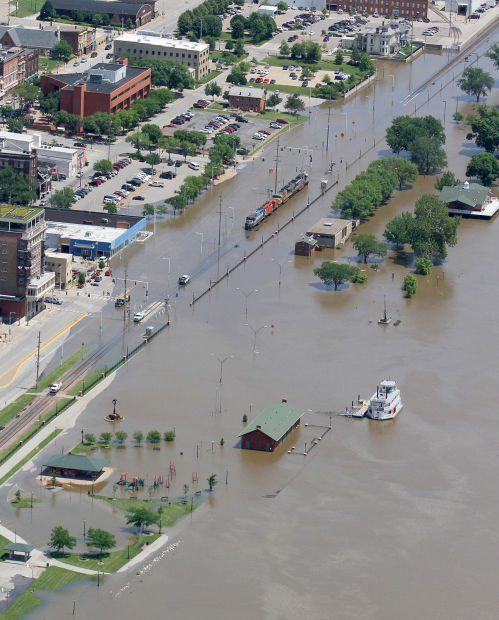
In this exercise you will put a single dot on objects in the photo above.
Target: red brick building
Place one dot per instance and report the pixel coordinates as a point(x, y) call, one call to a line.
point(247, 99)
point(271, 428)
point(106, 88)
point(16, 66)
point(414, 9)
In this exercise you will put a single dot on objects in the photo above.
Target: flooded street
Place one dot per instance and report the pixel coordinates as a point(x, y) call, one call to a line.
point(384, 520)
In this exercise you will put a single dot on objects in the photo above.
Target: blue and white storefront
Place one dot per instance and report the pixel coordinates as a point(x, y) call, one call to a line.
point(90, 241)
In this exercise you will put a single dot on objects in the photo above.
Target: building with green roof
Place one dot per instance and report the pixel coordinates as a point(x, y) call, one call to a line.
point(75, 466)
point(269, 429)
point(469, 200)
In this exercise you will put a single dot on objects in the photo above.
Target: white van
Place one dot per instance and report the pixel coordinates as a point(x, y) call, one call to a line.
point(193, 165)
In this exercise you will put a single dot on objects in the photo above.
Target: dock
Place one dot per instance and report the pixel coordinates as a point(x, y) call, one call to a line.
point(355, 411)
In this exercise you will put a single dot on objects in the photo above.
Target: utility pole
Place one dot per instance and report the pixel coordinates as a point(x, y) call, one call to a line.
point(276, 167)
point(219, 225)
point(38, 362)
point(328, 117)
point(124, 299)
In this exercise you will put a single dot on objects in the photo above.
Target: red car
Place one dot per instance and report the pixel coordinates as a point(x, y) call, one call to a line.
point(259, 80)
point(282, 121)
point(267, 133)
point(108, 272)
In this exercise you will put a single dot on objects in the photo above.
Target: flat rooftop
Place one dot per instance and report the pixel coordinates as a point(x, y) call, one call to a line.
point(328, 226)
point(85, 232)
point(70, 79)
point(19, 214)
point(180, 44)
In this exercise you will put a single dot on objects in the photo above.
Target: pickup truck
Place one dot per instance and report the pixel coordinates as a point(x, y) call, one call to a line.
point(55, 387)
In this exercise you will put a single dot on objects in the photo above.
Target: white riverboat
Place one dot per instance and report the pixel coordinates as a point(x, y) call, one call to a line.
point(386, 403)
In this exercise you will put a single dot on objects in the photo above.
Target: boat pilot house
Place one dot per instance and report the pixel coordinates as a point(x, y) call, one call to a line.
point(75, 466)
point(268, 430)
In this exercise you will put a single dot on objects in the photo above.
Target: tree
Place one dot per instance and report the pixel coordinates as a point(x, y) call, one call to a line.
point(61, 51)
point(410, 285)
point(476, 82)
point(187, 148)
point(282, 6)
point(169, 145)
point(60, 539)
point(484, 166)
point(366, 65)
point(16, 125)
point(169, 436)
point(102, 264)
point(367, 245)
point(81, 278)
point(16, 188)
point(121, 436)
point(138, 140)
point(405, 171)
point(493, 54)
point(485, 128)
point(448, 179)
point(105, 437)
point(237, 27)
point(101, 539)
point(154, 436)
point(427, 154)
point(141, 516)
point(284, 48)
point(184, 22)
point(47, 12)
point(273, 101)
point(423, 265)
point(432, 229)
point(238, 48)
point(148, 209)
point(18, 495)
point(89, 437)
point(153, 159)
point(138, 436)
point(103, 166)
point(404, 130)
point(27, 92)
point(212, 89)
point(110, 207)
point(334, 273)
point(338, 59)
point(62, 198)
point(398, 229)
point(294, 104)
point(153, 132)
point(212, 481)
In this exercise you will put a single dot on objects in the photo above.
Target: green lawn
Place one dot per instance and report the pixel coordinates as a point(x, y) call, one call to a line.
point(171, 511)
point(90, 379)
point(25, 502)
point(52, 578)
point(247, 39)
point(15, 407)
point(29, 456)
point(50, 63)
point(209, 76)
point(44, 383)
point(326, 65)
point(3, 542)
point(26, 7)
point(111, 561)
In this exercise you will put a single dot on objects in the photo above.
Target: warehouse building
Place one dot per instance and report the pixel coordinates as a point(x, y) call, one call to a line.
point(270, 429)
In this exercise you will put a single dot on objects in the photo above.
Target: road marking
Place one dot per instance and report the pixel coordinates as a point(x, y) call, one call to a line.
point(33, 353)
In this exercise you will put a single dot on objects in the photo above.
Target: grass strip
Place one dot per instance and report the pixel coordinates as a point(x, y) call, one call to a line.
point(45, 63)
point(170, 512)
point(25, 502)
point(320, 65)
point(12, 409)
point(29, 456)
point(108, 562)
point(52, 578)
point(26, 7)
point(209, 76)
point(44, 383)
point(90, 381)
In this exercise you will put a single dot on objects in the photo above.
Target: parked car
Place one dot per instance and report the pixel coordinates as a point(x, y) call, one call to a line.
point(55, 387)
point(185, 279)
point(193, 165)
point(156, 184)
point(169, 174)
point(52, 299)
point(139, 198)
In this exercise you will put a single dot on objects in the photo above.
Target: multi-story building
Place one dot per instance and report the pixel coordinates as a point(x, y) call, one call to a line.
point(61, 265)
point(81, 38)
point(195, 56)
point(119, 11)
point(247, 99)
point(382, 40)
point(398, 8)
point(105, 87)
point(34, 38)
point(16, 66)
point(23, 283)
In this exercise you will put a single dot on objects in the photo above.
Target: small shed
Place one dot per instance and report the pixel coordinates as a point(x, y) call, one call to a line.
point(15, 548)
point(268, 10)
point(269, 429)
point(75, 466)
point(305, 246)
point(331, 232)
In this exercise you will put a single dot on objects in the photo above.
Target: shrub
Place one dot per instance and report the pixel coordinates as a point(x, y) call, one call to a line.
point(410, 285)
point(423, 266)
point(169, 435)
point(359, 277)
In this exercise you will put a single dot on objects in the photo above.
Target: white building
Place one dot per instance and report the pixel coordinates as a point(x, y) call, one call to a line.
point(267, 10)
point(381, 40)
point(464, 7)
point(64, 159)
point(195, 56)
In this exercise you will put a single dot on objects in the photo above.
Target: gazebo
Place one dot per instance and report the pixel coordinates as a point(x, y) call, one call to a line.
point(15, 548)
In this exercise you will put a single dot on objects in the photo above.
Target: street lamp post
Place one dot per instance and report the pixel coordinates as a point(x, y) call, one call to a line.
point(246, 295)
point(255, 334)
point(222, 362)
point(445, 108)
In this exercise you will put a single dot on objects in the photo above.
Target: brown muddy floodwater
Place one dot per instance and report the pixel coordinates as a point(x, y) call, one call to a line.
point(382, 520)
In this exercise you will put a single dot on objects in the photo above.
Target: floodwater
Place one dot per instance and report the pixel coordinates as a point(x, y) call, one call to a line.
point(381, 520)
